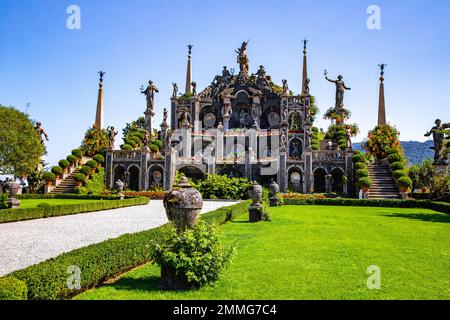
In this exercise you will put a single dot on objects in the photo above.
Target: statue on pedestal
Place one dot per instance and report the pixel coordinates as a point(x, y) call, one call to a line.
point(175, 90)
point(150, 95)
point(112, 136)
point(438, 138)
point(41, 132)
point(242, 59)
point(340, 89)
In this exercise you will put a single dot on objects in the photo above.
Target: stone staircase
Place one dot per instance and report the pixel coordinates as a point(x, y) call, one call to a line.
point(384, 186)
point(67, 185)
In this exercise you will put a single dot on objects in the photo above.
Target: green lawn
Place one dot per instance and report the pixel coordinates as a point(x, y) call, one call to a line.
point(320, 252)
point(32, 203)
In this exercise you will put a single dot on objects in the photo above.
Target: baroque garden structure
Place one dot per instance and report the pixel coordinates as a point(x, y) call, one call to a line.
point(241, 125)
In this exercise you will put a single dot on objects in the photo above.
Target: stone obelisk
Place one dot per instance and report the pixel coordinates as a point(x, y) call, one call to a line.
point(99, 114)
point(188, 89)
point(381, 102)
point(305, 67)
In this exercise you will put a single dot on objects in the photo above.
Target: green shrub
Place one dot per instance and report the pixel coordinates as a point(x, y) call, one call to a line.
point(48, 176)
point(96, 185)
point(63, 163)
point(43, 205)
point(195, 253)
point(404, 182)
point(158, 143)
point(359, 158)
point(57, 170)
point(360, 173)
point(426, 204)
point(99, 158)
point(394, 157)
point(4, 201)
point(80, 177)
point(315, 146)
point(397, 166)
point(12, 289)
point(314, 141)
point(86, 170)
point(77, 153)
point(127, 147)
point(364, 182)
point(11, 215)
point(154, 148)
point(360, 165)
point(223, 187)
point(99, 262)
point(92, 164)
point(72, 159)
point(315, 129)
point(399, 173)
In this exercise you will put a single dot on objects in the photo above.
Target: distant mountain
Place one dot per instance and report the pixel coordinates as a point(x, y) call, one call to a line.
point(415, 151)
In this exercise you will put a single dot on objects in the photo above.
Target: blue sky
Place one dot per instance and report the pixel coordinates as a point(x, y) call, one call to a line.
point(55, 69)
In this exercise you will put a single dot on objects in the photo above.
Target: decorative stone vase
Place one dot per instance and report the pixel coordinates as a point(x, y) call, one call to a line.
point(119, 185)
point(183, 204)
point(13, 188)
point(255, 192)
point(274, 190)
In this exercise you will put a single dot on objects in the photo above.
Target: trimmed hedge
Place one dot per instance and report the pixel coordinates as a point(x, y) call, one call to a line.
point(424, 204)
point(359, 158)
point(361, 173)
point(399, 173)
point(12, 288)
point(68, 196)
point(397, 166)
point(360, 165)
point(12, 215)
point(99, 262)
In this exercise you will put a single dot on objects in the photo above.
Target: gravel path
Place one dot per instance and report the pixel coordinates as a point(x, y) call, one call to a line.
point(26, 243)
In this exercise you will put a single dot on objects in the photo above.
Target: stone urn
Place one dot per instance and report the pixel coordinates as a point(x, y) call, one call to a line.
point(183, 204)
point(13, 188)
point(255, 192)
point(119, 185)
point(274, 190)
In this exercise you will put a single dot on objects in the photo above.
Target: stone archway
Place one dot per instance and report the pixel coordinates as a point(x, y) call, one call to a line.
point(134, 176)
point(337, 183)
point(155, 176)
point(119, 173)
point(319, 180)
point(295, 182)
point(295, 148)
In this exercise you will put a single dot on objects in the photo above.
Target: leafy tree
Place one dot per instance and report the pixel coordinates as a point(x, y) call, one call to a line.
point(20, 149)
point(381, 140)
point(134, 126)
point(95, 141)
point(426, 173)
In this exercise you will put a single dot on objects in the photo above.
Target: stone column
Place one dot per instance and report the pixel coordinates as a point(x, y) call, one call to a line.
point(145, 157)
point(282, 172)
point(348, 187)
point(169, 168)
point(308, 178)
point(164, 127)
point(109, 168)
point(173, 113)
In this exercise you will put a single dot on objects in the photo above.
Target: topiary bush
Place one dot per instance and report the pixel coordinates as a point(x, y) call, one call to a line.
point(359, 158)
point(92, 164)
point(127, 147)
point(400, 173)
point(158, 143)
point(12, 289)
point(48, 176)
point(57, 170)
point(63, 163)
point(99, 158)
point(154, 148)
point(77, 153)
point(196, 254)
point(80, 177)
point(87, 171)
point(404, 182)
point(360, 165)
point(364, 183)
point(362, 173)
point(395, 157)
point(397, 166)
point(72, 159)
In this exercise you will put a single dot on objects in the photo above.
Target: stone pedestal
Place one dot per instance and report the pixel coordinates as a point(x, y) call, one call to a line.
point(274, 202)
point(13, 203)
point(255, 213)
